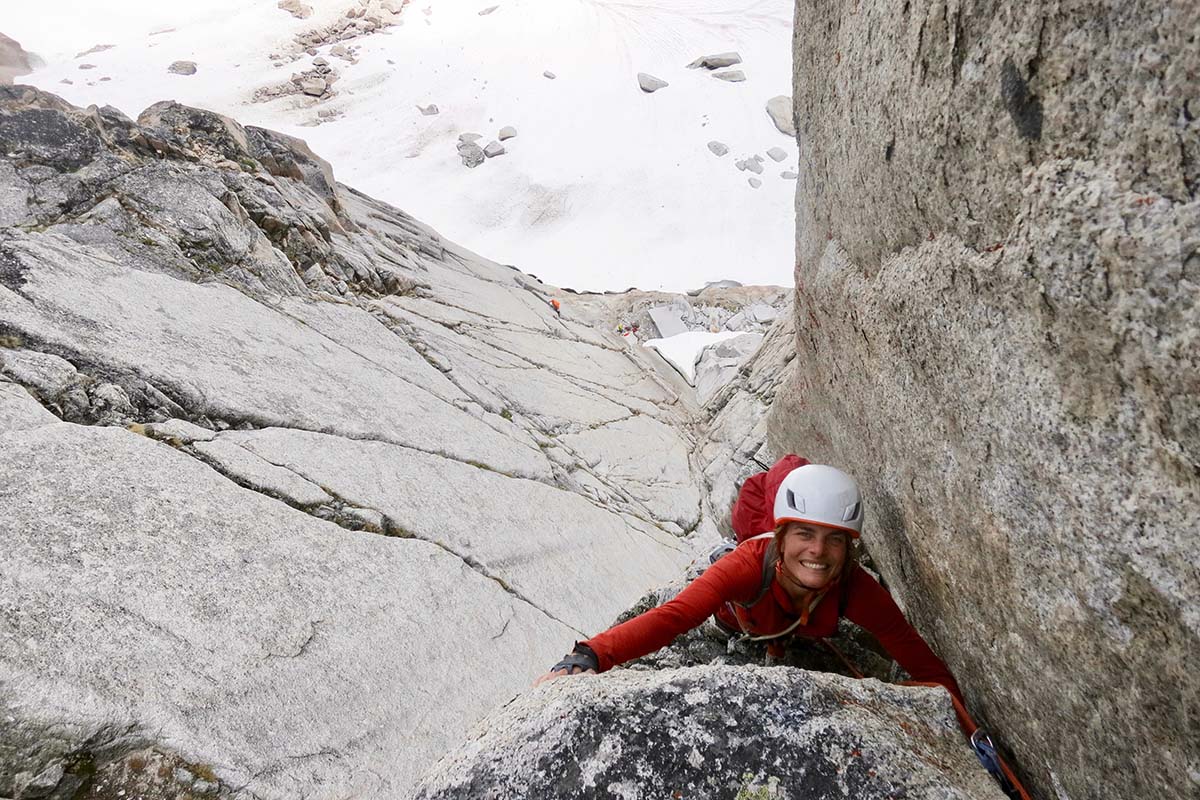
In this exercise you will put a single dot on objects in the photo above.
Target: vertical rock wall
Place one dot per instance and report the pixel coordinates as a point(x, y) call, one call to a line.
point(998, 276)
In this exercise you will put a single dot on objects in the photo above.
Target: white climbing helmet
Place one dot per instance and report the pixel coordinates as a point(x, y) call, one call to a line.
point(822, 495)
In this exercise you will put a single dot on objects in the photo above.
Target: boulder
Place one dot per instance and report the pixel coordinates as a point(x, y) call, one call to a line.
point(472, 154)
point(15, 60)
point(718, 148)
point(469, 138)
point(754, 165)
point(666, 320)
point(731, 75)
point(493, 149)
point(649, 83)
point(549, 74)
point(430, 110)
point(777, 154)
point(313, 87)
point(789, 175)
point(719, 364)
point(722, 732)
point(182, 67)
point(296, 8)
point(485, 11)
point(779, 109)
point(754, 182)
point(506, 133)
point(1015, 385)
point(716, 61)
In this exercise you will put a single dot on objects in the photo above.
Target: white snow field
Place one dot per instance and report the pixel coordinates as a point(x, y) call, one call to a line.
point(605, 187)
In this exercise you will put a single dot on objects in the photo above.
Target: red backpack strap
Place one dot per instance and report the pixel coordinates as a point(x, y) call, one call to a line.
point(770, 558)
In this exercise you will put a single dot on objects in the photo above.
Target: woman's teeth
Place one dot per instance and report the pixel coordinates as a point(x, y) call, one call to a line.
point(814, 565)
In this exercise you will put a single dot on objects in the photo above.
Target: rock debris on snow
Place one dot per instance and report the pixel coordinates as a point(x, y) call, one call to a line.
point(755, 182)
point(789, 175)
point(507, 132)
point(718, 148)
point(313, 87)
point(754, 165)
point(649, 83)
point(181, 67)
point(777, 154)
point(471, 153)
point(488, 10)
point(429, 110)
point(731, 75)
point(469, 137)
point(549, 75)
point(716, 61)
point(780, 110)
point(493, 149)
point(295, 8)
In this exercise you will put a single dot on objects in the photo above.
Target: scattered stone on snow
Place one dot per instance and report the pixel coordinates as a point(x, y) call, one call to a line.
point(429, 110)
point(493, 149)
point(471, 153)
point(549, 75)
point(507, 132)
point(93, 66)
point(754, 165)
point(777, 154)
point(469, 137)
point(182, 67)
point(718, 148)
point(296, 8)
point(780, 110)
point(716, 61)
point(100, 48)
point(488, 10)
point(731, 75)
point(649, 83)
point(789, 175)
point(755, 182)
point(313, 87)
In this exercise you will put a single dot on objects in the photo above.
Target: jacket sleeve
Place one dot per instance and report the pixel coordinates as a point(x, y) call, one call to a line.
point(735, 577)
point(870, 606)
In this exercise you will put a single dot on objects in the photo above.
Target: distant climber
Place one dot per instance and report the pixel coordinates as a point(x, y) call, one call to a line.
point(557, 306)
point(793, 573)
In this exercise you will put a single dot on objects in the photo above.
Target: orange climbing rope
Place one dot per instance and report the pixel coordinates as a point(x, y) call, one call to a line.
point(968, 724)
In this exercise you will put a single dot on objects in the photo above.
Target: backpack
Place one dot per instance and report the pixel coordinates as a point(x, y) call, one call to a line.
point(754, 511)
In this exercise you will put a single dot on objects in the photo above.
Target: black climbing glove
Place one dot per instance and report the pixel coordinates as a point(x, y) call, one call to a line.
point(582, 656)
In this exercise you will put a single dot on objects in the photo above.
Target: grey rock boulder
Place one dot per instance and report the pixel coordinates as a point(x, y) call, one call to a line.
point(430, 110)
point(754, 182)
point(472, 154)
point(182, 67)
point(779, 109)
point(15, 60)
point(789, 175)
point(754, 165)
point(777, 154)
point(716, 61)
point(731, 75)
point(721, 732)
point(493, 149)
point(1032, 360)
point(549, 74)
point(506, 133)
point(718, 148)
point(314, 87)
point(649, 83)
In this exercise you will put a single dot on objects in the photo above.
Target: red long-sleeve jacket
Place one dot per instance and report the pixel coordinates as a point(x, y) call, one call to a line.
point(737, 578)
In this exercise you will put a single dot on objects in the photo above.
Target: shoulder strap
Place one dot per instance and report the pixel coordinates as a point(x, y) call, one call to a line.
point(770, 558)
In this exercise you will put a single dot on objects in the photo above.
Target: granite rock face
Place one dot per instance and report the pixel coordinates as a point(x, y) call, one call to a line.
point(998, 313)
point(279, 465)
point(722, 732)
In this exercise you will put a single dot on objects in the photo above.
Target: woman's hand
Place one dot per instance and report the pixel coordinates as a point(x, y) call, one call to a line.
point(552, 674)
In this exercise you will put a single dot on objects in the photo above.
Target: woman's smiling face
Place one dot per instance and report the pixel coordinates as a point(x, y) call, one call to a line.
point(813, 555)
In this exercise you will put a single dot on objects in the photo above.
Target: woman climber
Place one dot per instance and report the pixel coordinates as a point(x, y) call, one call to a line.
point(797, 581)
